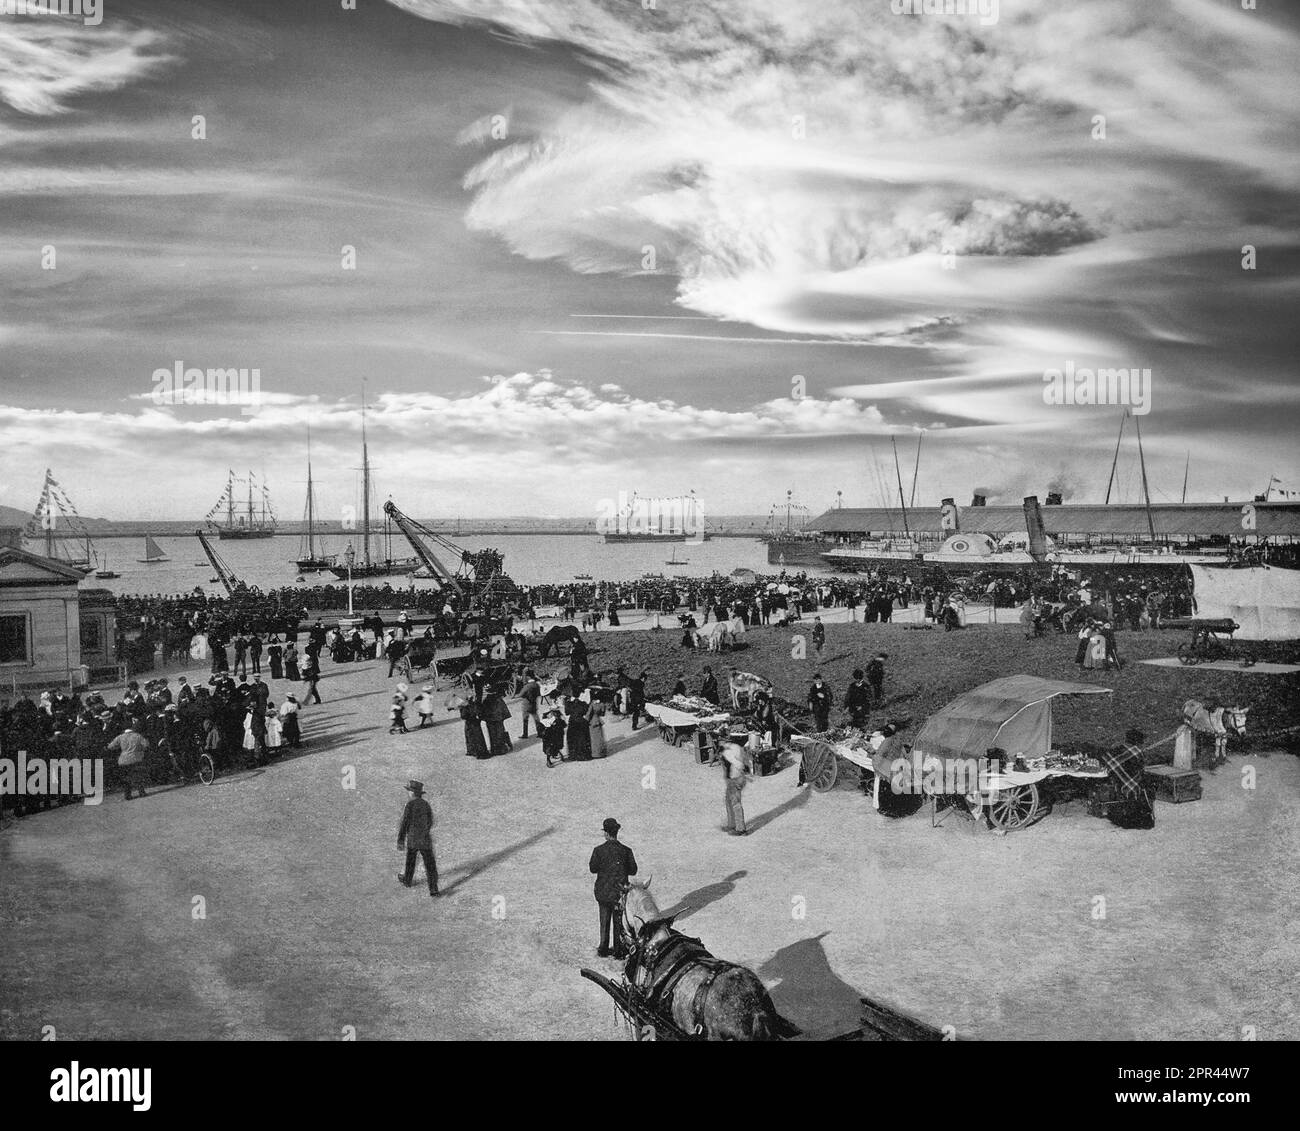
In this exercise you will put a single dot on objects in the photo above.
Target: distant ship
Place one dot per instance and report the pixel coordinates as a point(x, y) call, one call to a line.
point(309, 561)
point(252, 522)
point(673, 519)
point(55, 522)
point(369, 566)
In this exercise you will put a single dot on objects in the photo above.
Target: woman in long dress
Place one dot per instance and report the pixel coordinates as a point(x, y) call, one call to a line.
point(495, 712)
point(596, 729)
point(289, 721)
point(475, 745)
point(1096, 657)
point(291, 662)
point(275, 656)
point(578, 732)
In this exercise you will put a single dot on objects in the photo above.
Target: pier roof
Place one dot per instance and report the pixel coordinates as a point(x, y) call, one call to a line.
point(1277, 520)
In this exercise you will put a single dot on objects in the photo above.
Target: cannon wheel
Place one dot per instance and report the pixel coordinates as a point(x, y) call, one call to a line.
point(820, 766)
point(1187, 654)
point(1014, 808)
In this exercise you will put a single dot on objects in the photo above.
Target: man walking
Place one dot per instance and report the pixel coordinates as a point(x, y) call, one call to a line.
point(531, 693)
point(818, 636)
point(131, 746)
point(612, 863)
point(416, 835)
point(820, 702)
point(636, 698)
point(241, 655)
point(255, 652)
point(735, 760)
point(312, 676)
point(857, 699)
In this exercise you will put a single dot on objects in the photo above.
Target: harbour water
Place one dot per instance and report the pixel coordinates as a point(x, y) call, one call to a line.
point(529, 560)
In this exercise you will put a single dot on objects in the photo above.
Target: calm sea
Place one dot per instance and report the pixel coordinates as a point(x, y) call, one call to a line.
point(529, 559)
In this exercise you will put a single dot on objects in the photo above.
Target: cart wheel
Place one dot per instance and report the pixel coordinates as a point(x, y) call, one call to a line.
point(820, 768)
point(1247, 661)
point(1187, 655)
point(1013, 808)
point(207, 771)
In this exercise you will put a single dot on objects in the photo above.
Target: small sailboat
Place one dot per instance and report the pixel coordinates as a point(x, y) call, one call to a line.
point(675, 560)
point(104, 573)
point(152, 552)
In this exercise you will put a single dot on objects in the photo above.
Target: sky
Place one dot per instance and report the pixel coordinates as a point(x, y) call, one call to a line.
point(739, 247)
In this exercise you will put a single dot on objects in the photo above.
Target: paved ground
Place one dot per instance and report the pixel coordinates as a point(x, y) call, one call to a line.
point(1070, 929)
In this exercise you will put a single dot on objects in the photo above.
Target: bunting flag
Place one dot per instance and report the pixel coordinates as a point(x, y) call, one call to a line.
point(1280, 489)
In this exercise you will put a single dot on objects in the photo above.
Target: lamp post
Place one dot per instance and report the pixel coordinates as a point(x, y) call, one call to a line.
point(350, 557)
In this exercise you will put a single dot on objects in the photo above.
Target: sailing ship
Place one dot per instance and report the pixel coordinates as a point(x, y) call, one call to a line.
point(309, 561)
point(674, 560)
point(104, 573)
point(253, 522)
point(791, 545)
point(56, 523)
point(153, 553)
point(368, 565)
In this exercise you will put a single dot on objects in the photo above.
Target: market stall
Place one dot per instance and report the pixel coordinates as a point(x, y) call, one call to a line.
point(950, 755)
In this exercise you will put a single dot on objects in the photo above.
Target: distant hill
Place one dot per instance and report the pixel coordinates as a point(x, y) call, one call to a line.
point(12, 516)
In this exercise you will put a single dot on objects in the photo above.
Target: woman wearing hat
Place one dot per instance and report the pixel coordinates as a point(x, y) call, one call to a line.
point(289, 721)
point(552, 728)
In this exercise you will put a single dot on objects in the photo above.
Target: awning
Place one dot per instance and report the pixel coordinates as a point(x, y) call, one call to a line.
point(1013, 713)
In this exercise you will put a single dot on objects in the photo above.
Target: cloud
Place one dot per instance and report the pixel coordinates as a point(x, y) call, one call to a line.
point(48, 62)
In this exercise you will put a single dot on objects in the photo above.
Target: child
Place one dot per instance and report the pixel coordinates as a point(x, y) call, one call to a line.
point(553, 737)
point(397, 714)
point(424, 705)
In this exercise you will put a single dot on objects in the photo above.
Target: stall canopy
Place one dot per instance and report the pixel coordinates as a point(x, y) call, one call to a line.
point(1013, 713)
point(1264, 601)
point(743, 576)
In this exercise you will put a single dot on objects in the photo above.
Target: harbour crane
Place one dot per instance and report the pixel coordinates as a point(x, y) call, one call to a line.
point(224, 573)
point(478, 575)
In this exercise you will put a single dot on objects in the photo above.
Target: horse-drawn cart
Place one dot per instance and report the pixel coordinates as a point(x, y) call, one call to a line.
point(673, 989)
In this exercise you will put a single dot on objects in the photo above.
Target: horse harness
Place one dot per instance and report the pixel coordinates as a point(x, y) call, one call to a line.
point(656, 969)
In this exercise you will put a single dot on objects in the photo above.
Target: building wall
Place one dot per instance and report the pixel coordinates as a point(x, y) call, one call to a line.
point(54, 633)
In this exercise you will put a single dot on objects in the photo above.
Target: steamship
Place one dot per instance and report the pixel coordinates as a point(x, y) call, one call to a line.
point(1008, 538)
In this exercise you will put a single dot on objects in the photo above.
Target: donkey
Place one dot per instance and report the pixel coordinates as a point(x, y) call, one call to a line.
point(1219, 722)
point(705, 996)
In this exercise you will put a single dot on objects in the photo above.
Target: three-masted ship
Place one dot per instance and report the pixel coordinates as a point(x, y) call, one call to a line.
point(675, 519)
point(250, 521)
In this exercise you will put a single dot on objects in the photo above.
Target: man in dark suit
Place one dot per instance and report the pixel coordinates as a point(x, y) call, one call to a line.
point(416, 836)
point(636, 698)
point(612, 863)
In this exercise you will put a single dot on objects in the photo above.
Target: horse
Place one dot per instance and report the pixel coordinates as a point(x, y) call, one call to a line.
point(744, 685)
point(705, 997)
point(555, 635)
point(1219, 722)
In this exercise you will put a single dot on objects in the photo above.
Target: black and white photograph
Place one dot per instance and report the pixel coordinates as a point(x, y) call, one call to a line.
point(650, 521)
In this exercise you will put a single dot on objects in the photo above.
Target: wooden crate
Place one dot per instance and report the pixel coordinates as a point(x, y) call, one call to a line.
point(1174, 785)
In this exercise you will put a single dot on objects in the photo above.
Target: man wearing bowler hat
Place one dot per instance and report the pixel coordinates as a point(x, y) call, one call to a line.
point(416, 836)
point(612, 862)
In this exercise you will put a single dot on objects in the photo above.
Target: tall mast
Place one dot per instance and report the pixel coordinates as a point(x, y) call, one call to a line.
point(250, 498)
point(230, 498)
point(311, 532)
point(899, 472)
point(1115, 462)
point(916, 471)
point(365, 482)
point(1186, 468)
point(1145, 492)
